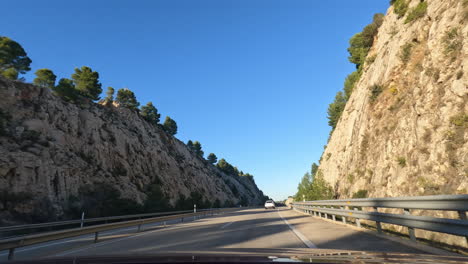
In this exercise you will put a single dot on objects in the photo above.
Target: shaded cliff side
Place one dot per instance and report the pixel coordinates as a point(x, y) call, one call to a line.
point(50, 148)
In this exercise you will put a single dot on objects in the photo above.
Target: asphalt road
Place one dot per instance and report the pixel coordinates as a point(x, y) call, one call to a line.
point(248, 230)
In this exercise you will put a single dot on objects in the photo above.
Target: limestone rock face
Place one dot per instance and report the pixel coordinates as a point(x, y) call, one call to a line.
point(412, 139)
point(50, 147)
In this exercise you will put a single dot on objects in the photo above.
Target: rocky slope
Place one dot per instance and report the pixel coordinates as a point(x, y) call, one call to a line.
point(412, 138)
point(49, 148)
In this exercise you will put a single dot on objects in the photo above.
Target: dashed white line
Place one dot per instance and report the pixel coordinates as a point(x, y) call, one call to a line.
point(298, 234)
point(226, 225)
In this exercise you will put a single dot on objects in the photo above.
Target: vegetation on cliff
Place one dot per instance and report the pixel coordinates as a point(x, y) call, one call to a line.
point(359, 47)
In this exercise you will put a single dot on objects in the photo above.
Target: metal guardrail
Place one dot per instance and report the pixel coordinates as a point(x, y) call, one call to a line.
point(12, 243)
point(89, 220)
point(333, 208)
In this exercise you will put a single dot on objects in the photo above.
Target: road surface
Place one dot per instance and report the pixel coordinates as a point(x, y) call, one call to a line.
point(247, 230)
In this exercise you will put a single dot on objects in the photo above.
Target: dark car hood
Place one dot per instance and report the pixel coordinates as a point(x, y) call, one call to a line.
point(256, 256)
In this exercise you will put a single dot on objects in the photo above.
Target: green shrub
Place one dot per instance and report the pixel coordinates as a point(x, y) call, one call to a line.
point(371, 59)
point(313, 186)
point(335, 109)
point(360, 194)
point(400, 7)
point(375, 91)
point(401, 161)
point(155, 201)
point(360, 43)
point(405, 52)
point(460, 120)
point(452, 41)
point(418, 12)
point(9, 199)
point(4, 120)
point(32, 135)
point(100, 199)
point(350, 82)
point(350, 178)
point(119, 170)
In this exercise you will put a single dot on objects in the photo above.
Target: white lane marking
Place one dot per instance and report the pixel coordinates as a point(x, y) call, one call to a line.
point(116, 240)
point(36, 247)
point(75, 239)
point(226, 225)
point(298, 234)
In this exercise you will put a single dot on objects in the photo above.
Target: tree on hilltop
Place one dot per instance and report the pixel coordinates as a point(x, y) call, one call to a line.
point(65, 89)
point(13, 59)
point(170, 126)
point(150, 113)
point(198, 148)
point(87, 82)
point(45, 78)
point(127, 99)
point(212, 158)
point(110, 95)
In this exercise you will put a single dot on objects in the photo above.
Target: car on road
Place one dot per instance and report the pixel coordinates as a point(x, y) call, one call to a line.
point(270, 204)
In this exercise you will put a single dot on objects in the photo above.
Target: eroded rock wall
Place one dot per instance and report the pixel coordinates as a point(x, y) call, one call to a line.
point(412, 139)
point(50, 147)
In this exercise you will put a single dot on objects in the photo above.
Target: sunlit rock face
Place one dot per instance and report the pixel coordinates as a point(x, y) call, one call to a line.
point(50, 147)
point(412, 139)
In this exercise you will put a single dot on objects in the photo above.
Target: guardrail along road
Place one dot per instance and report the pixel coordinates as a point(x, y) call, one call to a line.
point(238, 229)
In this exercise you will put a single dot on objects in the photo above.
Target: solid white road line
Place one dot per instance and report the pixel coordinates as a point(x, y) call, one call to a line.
point(226, 225)
point(298, 234)
point(75, 239)
point(67, 252)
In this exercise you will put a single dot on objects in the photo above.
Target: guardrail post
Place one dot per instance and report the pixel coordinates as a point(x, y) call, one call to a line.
point(139, 228)
point(326, 215)
point(96, 237)
point(462, 216)
point(343, 218)
point(333, 218)
point(358, 222)
point(11, 253)
point(377, 223)
point(410, 229)
point(82, 220)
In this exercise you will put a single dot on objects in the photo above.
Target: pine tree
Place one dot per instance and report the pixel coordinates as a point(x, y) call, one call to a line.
point(87, 82)
point(66, 89)
point(150, 113)
point(212, 158)
point(109, 95)
point(45, 78)
point(190, 145)
point(170, 126)
point(126, 98)
point(13, 59)
point(335, 109)
point(198, 148)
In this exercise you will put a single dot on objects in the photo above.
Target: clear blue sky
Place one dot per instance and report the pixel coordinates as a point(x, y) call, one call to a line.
point(250, 79)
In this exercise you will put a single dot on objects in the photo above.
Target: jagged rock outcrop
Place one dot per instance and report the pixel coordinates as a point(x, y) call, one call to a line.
point(412, 139)
point(50, 147)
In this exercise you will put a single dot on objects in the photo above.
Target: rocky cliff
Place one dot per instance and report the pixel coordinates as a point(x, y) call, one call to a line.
point(403, 131)
point(49, 148)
